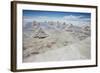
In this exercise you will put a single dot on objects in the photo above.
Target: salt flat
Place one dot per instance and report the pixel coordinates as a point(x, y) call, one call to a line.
point(56, 43)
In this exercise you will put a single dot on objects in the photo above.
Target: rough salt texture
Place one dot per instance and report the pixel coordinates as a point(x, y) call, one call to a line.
point(68, 42)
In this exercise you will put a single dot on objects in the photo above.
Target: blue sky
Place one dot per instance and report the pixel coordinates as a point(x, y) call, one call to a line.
point(30, 15)
point(55, 14)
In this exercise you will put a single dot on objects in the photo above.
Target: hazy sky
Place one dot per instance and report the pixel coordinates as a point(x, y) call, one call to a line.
point(30, 15)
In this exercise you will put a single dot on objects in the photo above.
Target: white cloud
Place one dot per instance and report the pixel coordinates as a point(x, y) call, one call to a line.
point(39, 18)
point(75, 18)
point(42, 17)
point(86, 19)
point(72, 17)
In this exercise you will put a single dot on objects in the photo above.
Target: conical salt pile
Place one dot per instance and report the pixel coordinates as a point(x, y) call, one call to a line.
point(40, 34)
